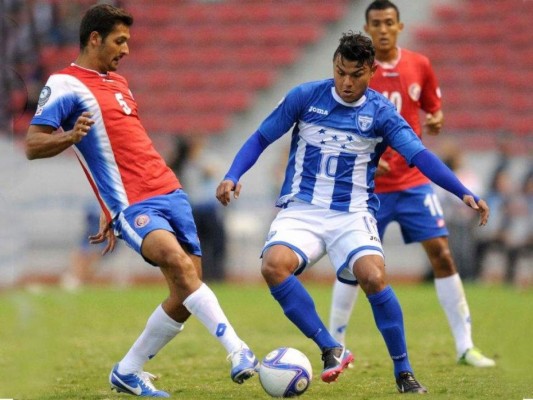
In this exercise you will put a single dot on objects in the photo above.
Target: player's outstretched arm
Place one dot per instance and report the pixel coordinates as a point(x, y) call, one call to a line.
point(40, 143)
point(224, 190)
point(244, 160)
point(432, 167)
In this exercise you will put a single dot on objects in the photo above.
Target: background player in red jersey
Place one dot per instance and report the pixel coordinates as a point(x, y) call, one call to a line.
point(407, 79)
point(141, 198)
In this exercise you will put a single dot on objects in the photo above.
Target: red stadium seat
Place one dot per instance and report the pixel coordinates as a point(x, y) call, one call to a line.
point(195, 64)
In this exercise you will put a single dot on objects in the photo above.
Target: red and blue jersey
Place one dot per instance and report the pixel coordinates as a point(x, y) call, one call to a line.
point(117, 154)
point(411, 85)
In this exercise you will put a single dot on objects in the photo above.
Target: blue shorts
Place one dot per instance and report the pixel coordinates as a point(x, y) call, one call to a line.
point(417, 210)
point(170, 212)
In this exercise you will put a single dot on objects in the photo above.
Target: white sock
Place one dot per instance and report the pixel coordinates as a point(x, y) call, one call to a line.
point(453, 300)
point(342, 303)
point(203, 304)
point(159, 330)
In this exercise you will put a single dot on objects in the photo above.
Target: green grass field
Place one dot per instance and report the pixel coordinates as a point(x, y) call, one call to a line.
point(58, 345)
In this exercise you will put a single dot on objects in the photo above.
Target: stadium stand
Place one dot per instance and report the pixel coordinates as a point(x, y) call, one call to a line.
point(472, 45)
point(198, 63)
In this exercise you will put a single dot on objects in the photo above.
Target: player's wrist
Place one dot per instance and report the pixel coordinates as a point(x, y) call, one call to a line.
point(231, 178)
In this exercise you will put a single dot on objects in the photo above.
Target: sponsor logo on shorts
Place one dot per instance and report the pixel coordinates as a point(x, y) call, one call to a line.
point(141, 221)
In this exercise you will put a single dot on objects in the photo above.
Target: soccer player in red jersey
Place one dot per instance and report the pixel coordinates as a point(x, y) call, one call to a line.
point(407, 79)
point(142, 201)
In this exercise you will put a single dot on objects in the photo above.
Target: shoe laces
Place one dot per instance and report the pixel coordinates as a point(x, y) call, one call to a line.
point(410, 380)
point(236, 356)
point(147, 378)
point(332, 352)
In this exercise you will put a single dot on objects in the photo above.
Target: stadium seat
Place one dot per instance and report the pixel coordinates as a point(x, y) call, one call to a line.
point(190, 58)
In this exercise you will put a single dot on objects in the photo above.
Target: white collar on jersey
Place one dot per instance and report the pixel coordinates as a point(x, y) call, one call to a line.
point(89, 70)
point(341, 101)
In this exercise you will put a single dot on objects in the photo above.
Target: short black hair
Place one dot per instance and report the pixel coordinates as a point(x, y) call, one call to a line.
point(381, 5)
point(102, 18)
point(356, 47)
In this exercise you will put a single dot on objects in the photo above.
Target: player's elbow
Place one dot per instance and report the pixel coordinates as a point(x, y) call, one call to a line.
point(31, 154)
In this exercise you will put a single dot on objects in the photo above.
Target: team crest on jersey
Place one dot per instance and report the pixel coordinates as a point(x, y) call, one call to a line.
point(142, 220)
point(44, 96)
point(364, 122)
point(414, 91)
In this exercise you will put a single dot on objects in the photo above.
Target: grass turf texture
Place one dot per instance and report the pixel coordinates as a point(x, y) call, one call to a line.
point(57, 345)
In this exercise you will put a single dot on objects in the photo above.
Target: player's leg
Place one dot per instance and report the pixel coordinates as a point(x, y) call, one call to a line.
point(279, 264)
point(370, 273)
point(452, 298)
point(344, 296)
point(421, 219)
point(189, 295)
point(343, 300)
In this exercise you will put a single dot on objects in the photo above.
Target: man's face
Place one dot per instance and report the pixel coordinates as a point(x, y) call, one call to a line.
point(113, 48)
point(383, 27)
point(351, 79)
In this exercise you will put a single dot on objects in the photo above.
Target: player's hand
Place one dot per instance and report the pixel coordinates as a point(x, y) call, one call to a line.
point(81, 127)
point(434, 122)
point(104, 233)
point(224, 190)
point(481, 207)
point(383, 167)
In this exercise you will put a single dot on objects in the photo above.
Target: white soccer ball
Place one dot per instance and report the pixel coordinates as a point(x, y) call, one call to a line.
point(285, 372)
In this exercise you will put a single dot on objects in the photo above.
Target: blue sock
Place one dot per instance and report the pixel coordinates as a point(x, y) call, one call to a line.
point(389, 320)
point(299, 307)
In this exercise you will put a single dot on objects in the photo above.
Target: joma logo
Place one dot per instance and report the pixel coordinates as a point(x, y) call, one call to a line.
point(318, 110)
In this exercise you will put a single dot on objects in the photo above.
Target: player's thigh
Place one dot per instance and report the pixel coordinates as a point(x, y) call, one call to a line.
point(420, 215)
point(351, 236)
point(167, 213)
point(298, 227)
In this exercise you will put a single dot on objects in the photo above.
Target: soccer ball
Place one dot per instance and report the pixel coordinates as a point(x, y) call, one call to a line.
point(285, 372)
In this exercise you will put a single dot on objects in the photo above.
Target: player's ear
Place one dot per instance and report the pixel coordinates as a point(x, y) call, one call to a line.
point(366, 28)
point(400, 26)
point(95, 39)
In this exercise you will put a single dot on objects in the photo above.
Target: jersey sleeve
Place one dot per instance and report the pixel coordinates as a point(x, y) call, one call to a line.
point(57, 105)
point(283, 117)
point(430, 98)
point(398, 134)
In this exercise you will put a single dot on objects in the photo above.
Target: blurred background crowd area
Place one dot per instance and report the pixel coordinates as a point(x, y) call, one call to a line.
point(205, 73)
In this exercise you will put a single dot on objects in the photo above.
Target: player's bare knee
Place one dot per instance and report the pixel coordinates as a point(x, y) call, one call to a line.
point(372, 281)
point(443, 263)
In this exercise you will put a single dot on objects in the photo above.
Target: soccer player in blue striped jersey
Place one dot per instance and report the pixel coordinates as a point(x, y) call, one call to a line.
point(340, 128)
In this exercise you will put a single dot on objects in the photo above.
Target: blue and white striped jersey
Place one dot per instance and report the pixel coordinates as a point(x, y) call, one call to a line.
point(335, 146)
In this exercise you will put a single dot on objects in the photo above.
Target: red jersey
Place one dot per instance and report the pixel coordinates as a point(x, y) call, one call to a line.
point(411, 85)
point(117, 154)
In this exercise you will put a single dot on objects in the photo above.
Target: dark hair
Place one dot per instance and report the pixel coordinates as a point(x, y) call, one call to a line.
point(102, 18)
point(381, 5)
point(356, 47)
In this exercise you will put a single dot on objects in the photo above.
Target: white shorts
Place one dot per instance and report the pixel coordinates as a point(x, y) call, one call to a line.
point(312, 231)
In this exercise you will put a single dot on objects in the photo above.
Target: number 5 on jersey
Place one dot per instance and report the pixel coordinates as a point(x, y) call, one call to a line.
point(123, 104)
